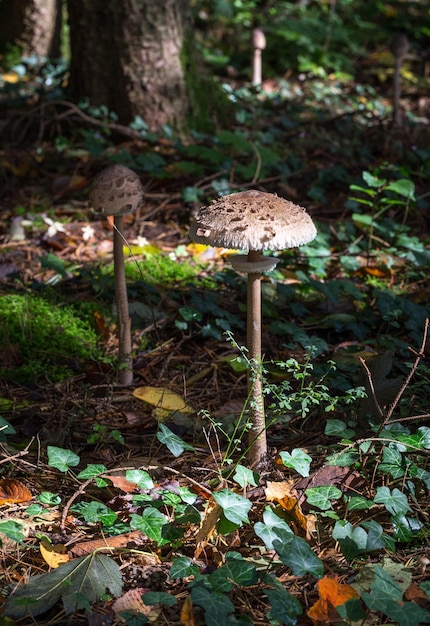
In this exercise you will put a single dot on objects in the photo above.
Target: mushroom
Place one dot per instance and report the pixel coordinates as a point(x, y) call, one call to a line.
point(117, 191)
point(258, 44)
point(254, 221)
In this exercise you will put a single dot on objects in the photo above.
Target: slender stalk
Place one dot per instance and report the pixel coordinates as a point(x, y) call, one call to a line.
point(125, 373)
point(257, 434)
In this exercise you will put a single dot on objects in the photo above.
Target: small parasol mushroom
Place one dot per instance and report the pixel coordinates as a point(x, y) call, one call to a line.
point(117, 191)
point(258, 45)
point(254, 221)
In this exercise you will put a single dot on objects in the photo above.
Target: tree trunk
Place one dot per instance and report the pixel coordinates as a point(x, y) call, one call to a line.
point(34, 26)
point(134, 57)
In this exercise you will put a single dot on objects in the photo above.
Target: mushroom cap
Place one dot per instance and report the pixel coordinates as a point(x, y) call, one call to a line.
point(253, 220)
point(258, 39)
point(116, 190)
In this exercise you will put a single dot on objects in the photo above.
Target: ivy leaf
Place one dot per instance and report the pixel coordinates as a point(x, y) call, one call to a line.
point(395, 501)
point(182, 568)
point(392, 461)
point(321, 496)
point(347, 458)
point(298, 555)
point(244, 476)
point(151, 523)
point(233, 572)
point(174, 443)
point(386, 596)
point(140, 478)
point(267, 530)
point(62, 459)
point(91, 470)
point(79, 582)
point(12, 529)
point(234, 506)
point(298, 460)
point(284, 606)
point(217, 606)
point(159, 597)
point(352, 540)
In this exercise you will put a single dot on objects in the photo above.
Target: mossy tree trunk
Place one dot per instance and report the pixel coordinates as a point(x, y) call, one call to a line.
point(32, 26)
point(134, 57)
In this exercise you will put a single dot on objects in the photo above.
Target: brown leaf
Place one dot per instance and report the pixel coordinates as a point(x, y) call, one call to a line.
point(284, 493)
point(132, 601)
point(332, 594)
point(118, 541)
point(13, 491)
point(416, 594)
point(121, 483)
point(187, 615)
point(207, 527)
point(342, 477)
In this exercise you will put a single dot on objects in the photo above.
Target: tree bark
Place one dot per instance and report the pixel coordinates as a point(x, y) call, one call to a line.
point(133, 57)
point(34, 26)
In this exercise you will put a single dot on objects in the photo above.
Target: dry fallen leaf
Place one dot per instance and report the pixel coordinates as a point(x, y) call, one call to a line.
point(207, 527)
point(132, 601)
point(332, 594)
point(117, 541)
point(13, 491)
point(53, 555)
point(163, 398)
point(121, 483)
point(187, 615)
point(284, 493)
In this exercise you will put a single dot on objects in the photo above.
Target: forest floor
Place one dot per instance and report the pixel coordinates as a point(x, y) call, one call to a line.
point(71, 446)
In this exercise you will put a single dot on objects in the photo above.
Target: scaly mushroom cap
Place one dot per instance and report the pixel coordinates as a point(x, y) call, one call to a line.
point(253, 220)
point(117, 190)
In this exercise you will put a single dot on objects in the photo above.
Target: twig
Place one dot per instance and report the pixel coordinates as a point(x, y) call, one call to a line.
point(17, 455)
point(372, 388)
point(412, 371)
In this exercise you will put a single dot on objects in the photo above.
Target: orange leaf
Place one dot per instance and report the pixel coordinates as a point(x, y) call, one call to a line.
point(13, 491)
point(332, 594)
point(187, 616)
point(122, 483)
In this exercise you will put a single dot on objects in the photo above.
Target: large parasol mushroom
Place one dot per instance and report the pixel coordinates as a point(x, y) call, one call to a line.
point(116, 191)
point(254, 221)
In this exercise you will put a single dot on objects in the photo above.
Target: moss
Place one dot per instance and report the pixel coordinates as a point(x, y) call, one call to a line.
point(163, 271)
point(40, 340)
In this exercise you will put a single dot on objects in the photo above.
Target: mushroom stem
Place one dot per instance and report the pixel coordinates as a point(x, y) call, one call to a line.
point(257, 434)
point(125, 373)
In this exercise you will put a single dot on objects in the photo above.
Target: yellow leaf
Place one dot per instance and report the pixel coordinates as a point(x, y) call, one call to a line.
point(53, 555)
point(10, 77)
point(163, 398)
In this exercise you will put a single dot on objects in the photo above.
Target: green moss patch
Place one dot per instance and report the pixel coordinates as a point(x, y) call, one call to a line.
point(41, 340)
